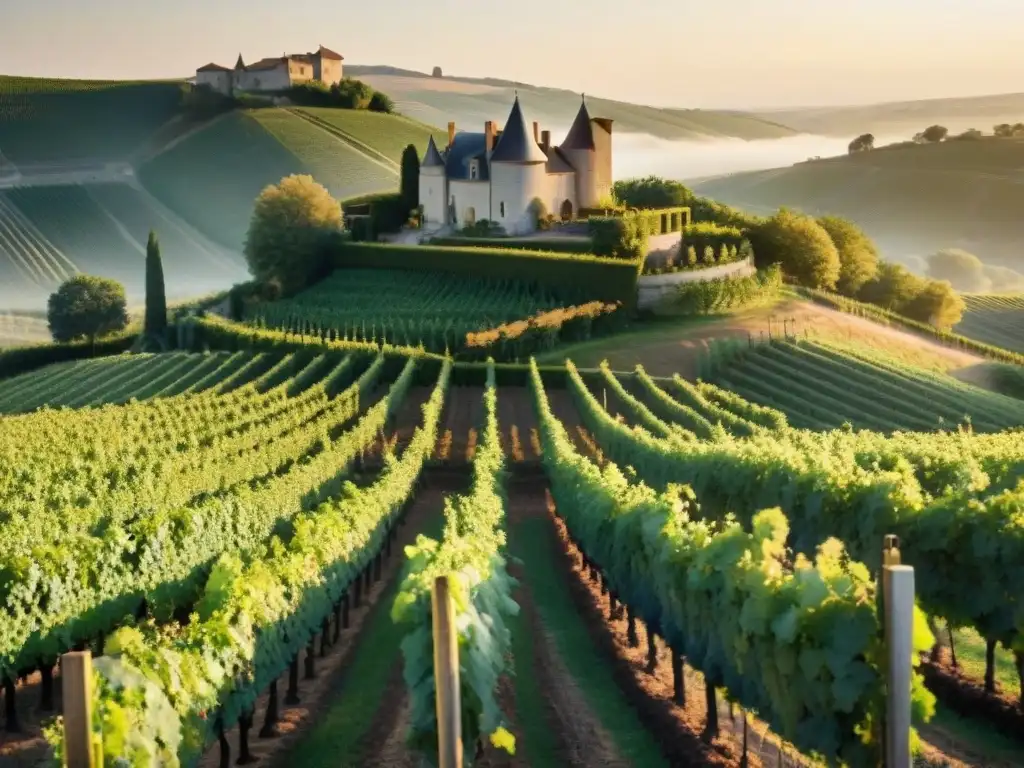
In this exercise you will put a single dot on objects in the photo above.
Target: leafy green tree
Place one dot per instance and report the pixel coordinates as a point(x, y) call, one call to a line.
point(381, 102)
point(892, 288)
point(862, 143)
point(88, 307)
point(1003, 130)
point(800, 246)
point(858, 256)
point(410, 178)
point(935, 133)
point(963, 270)
point(938, 304)
point(436, 72)
point(156, 297)
point(291, 227)
point(651, 192)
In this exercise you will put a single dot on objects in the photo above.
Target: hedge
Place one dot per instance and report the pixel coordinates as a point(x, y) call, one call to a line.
point(705, 233)
point(602, 278)
point(23, 359)
point(551, 245)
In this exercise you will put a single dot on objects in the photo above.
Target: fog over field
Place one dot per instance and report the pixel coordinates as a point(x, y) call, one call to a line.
point(641, 154)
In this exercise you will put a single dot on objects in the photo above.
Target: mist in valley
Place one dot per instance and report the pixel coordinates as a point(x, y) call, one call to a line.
point(642, 155)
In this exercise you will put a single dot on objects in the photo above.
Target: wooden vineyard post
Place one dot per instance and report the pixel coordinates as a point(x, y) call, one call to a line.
point(446, 676)
point(898, 619)
point(76, 686)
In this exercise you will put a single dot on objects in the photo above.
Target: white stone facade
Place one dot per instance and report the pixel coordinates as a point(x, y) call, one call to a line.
point(273, 74)
point(496, 175)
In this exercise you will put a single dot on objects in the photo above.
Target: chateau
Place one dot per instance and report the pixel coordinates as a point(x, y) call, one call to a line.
point(497, 174)
point(274, 74)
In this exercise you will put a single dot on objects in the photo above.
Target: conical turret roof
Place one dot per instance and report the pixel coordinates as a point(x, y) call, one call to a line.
point(239, 64)
point(516, 143)
point(432, 158)
point(581, 135)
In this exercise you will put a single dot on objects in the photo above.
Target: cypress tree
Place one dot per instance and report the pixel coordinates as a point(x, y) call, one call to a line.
point(156, 298)
point(410, 178)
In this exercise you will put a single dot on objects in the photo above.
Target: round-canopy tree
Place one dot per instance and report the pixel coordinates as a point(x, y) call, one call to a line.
point(858, 256)
point(962, 269)
point(88, 307)
point(292, 223)
point(799, 245)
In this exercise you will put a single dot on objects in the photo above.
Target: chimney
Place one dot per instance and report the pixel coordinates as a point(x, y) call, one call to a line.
point(489, 131)
point(545, 140)
point(536, 132)
point(451, 134)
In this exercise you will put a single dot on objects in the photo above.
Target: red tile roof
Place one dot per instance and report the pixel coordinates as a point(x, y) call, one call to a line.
point(327, 53)
point(211, 67)
point(272, 63)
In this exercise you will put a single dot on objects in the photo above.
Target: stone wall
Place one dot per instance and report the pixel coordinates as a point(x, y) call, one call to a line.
point(651, 289)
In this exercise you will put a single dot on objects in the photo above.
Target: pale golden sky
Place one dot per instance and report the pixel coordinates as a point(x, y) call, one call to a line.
point(722, 53)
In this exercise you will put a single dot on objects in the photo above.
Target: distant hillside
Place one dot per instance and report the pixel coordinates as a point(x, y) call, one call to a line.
point(913, 199)
point(472, 101)
point(213, 176)
point(904, 117)
point(65, 121)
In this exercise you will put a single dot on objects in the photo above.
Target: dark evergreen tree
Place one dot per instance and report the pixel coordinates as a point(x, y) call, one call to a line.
point(410, 178)
point(156, 297)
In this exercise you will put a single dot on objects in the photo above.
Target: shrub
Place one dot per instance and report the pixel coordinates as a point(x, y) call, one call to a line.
point(619, 237)
point(709, 255)
point(801, 247)
point(963, 270)
point(704, 209)
point(934, 133)
point(936, 304)
point(87, 307)
point(651, 192)
point(483, 228)
point(707, 296)
point(381, 102)
point(289, 231)
point(691, 256)
point(891, 288)
point(858, 256)
point(540, 333)
point(538, 212)
point(705, 233)
point(862, 143)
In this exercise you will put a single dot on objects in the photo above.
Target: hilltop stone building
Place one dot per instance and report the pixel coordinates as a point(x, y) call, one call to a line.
point(497, 174)
point(274, 74)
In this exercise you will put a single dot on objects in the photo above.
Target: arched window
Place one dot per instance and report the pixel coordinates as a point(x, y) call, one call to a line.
point(502, 208)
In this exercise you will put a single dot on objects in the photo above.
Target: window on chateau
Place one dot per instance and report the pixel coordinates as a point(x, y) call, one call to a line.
point(474, 171)
point(501, 207)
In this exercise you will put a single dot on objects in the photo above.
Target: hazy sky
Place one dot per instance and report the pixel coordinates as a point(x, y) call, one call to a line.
point(710, 53)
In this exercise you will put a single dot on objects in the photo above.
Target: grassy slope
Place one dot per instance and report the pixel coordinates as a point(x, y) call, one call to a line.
point(675, 345)
point(913, 199)
point(213, 176)
point(995, 319)
point(471, 102)
point(387, 134)
point(909, 117)
point(110, 119)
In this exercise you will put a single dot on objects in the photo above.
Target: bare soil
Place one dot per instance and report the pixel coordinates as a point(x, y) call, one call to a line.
point(967, 697)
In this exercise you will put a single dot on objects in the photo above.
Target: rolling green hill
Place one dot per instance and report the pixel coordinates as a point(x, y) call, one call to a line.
point(212, 177)
point(995, 319)
point(914, 199)
point(472, 101)
point(62, 121)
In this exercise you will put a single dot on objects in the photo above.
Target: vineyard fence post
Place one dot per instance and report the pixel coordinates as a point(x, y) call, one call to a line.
point(76, 686)
point(898, 602)
point(446, 676)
